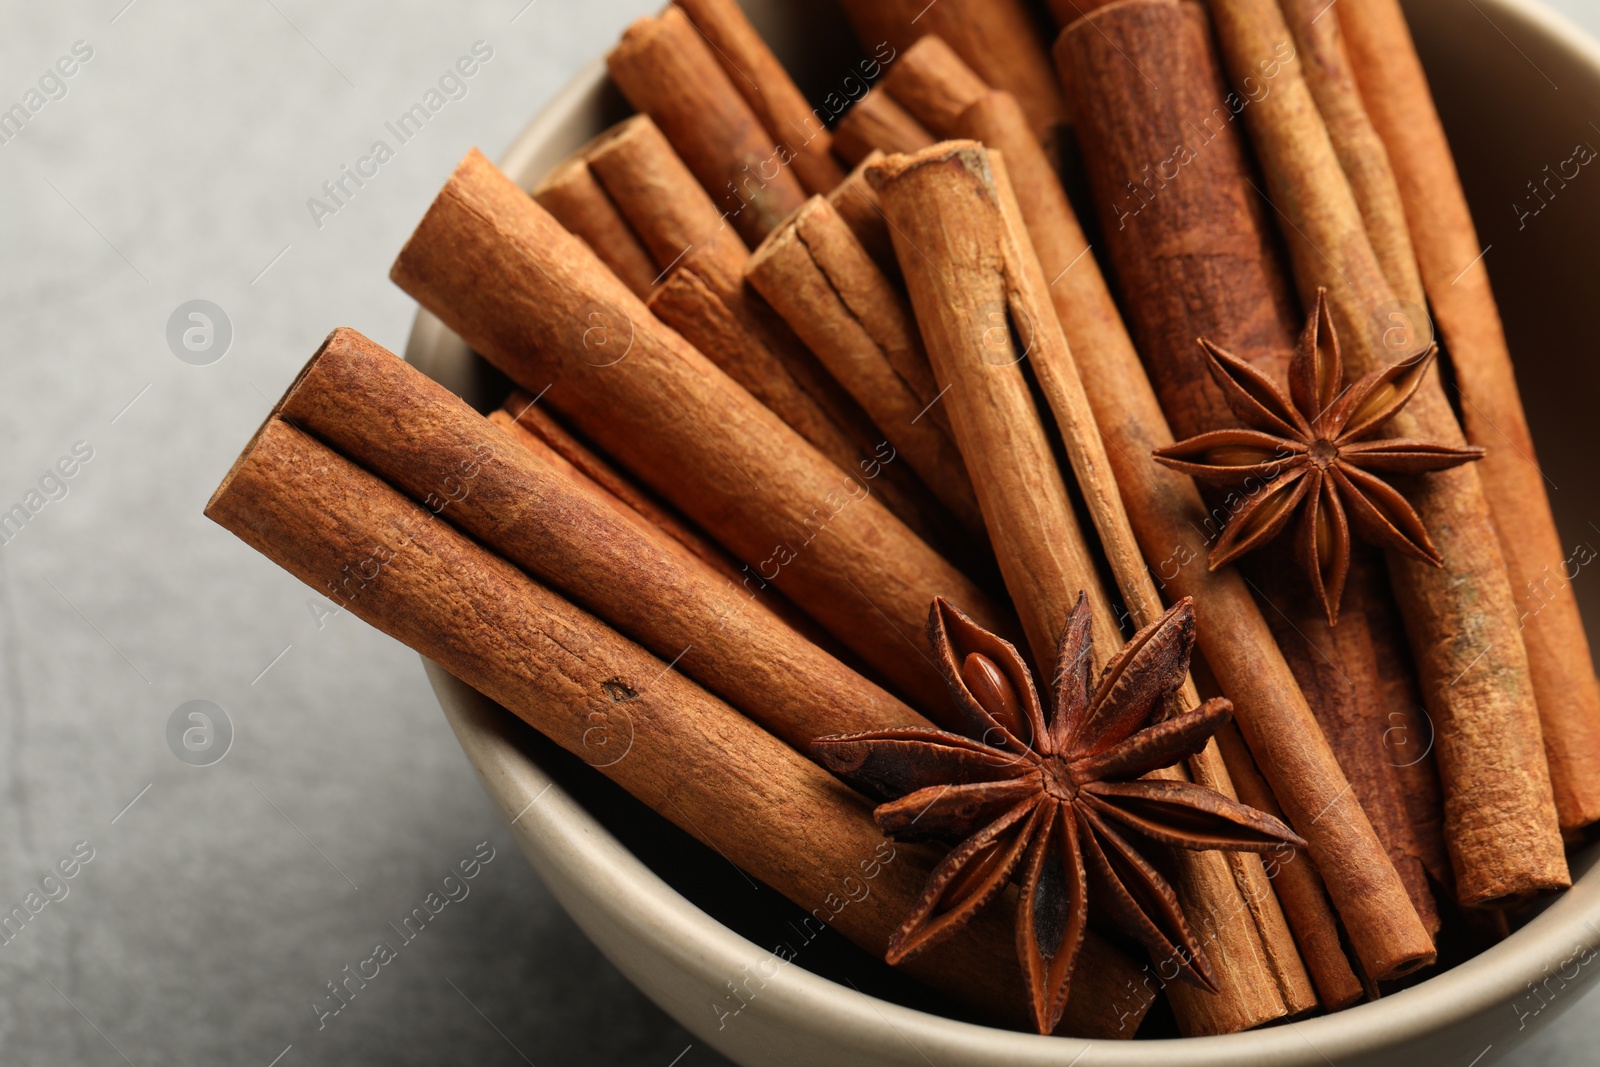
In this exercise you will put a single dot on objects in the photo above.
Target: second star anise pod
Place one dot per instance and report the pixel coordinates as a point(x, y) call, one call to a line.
point(1312, 452)
point(1054, 801)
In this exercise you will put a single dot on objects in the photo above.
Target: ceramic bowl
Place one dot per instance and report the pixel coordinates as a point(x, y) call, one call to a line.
point(1517, 87)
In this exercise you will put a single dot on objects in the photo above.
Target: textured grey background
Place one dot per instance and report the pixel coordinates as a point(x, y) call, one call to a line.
point(219, 904)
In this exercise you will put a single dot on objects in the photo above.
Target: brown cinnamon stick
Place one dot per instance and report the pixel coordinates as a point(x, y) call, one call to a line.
point(1128, 129)
point(997, 38)
point(1099, 341)
point(451, 460)
point(877, 122)
point(668, 742)
point(766, 86)
point(1337, 667)
point(656, 193)
point(538, 431)
point(948, 235)
point(932, 83)
point(1400, 104)
point(1298, 885)
point(665, 68)
point(815, 273)
point(857, 203)
point(1034, 205)
point(498, 270)
point(1462, 619)
point(1233, 891)
point(970, 271)
point(1326, 67)
point(578, 202)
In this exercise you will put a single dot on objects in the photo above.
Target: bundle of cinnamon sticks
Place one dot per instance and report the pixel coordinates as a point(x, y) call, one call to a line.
point(769, 407)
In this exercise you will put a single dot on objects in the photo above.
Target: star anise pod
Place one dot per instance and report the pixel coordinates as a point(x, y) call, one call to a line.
point(1052, 802)
point(1310, 452)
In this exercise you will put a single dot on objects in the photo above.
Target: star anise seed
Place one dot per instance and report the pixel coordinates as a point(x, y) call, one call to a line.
point(1052, 802)
point(1309, 452)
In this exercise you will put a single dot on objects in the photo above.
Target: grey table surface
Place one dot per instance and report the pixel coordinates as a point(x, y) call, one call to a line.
point(220, 901)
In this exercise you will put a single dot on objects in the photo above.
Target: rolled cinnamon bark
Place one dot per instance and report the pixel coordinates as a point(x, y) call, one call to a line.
point(766, 86)
point(1462, 619)
point(1408, 739)
point(877, 123)
point(657, 194)
point(1039, 209)
point(1326, 68)
point(999, 39)
point(522, 412)
point(857, 203)
point(1255, 940)
point(932, 83)
point(667, 741)
point(523, 292)
point(944, 213)
point(1298, 886)
point(814, 272)
point(536, 429)
point(1457, 284)
point(666, 69)
point(967, 261)
point(1337, 667)
point(525, 509)
point(578, 202)
point(1128, 129)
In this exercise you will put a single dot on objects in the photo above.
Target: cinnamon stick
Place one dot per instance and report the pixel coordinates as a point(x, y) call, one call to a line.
point(1298, 885)
point(815, 273)
point(1240, 907)
point(499, 271)
point(1128, 128)
point(1337, 666)
point(766, 86)
point(656, 193)
point(1035, 206)
point(999, 39)
point(1336, 670)
point(857, 203)
point(1462, 619)
point(1397, 97)
point(667, 741)
point(934, 85)
point(1099, 341)
point(1326, 67)
point(666, 70)
point(578, 202)
point(615, 488)
point(968, 265)
point(877, 122)
point(944, 214)
point(573, 539)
